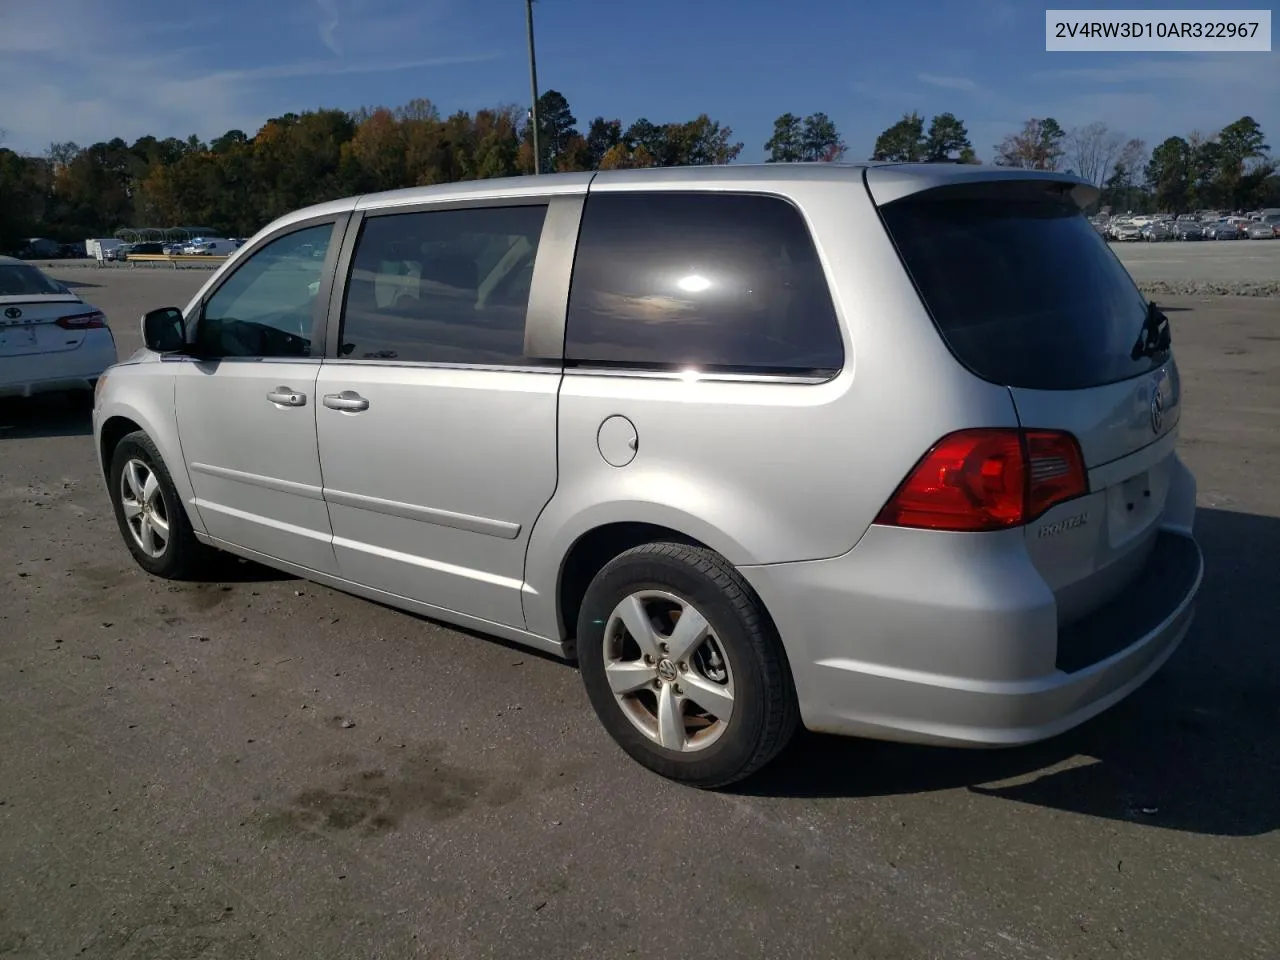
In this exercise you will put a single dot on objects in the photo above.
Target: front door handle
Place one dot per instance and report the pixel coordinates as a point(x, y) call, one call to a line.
point(346, 400)
point(287, 397)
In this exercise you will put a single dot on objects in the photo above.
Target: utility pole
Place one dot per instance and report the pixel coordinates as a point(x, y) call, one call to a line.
point(533, 87)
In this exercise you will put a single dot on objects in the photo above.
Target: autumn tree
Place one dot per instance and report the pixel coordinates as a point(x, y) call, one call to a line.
point(1039, 145)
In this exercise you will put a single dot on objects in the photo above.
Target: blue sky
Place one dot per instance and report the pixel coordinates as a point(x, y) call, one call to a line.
point(86, 70)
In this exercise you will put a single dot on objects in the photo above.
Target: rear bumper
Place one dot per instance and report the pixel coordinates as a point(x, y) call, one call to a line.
point(30, 374)
point(893, 642)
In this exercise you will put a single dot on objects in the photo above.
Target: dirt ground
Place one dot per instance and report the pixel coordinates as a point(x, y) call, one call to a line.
point(260, 768)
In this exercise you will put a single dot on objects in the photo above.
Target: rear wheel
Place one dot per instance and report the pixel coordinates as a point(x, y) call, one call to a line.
point(150, 514)
point(683, 666)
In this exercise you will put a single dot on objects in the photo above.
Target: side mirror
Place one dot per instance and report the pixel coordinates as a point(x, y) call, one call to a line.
point(162, 330)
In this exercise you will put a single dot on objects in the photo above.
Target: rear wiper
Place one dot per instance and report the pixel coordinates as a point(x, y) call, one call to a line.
point(1155, 337)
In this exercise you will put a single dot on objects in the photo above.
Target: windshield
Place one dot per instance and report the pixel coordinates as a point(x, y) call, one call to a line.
point(21, 279)
point(1023, 290)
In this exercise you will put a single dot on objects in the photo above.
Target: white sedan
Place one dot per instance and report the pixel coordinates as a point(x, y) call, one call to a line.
point(50, 340)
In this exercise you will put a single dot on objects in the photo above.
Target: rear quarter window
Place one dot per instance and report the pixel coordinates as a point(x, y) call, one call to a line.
point(1021, 286)
point(717, 282)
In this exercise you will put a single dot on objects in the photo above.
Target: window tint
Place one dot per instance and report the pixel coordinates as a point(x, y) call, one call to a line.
point(267, 307)
point(20, 279)
point(1022, 288)
point(714, 281)
point(449, 286)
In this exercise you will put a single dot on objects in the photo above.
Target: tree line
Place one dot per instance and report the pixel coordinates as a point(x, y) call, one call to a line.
point(236, 183)
point(1229, 169)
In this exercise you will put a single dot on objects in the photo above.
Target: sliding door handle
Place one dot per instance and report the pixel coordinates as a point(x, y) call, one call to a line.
point(347, 400)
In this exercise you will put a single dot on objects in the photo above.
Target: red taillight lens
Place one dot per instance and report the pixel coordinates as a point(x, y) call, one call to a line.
point(82, 321)
point(978, 480)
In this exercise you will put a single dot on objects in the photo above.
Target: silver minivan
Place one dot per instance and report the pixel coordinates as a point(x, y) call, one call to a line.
point(884, 450)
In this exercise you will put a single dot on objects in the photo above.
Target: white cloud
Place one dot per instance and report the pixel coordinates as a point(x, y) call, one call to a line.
point(328, 25)
point(129, 79)
point(947, 83)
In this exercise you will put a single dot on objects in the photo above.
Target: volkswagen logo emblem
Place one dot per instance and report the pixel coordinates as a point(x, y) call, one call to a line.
point(13, 313)
point(1157, 409)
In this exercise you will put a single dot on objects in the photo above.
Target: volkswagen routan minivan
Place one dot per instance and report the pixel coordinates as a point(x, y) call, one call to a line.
point(883, 450)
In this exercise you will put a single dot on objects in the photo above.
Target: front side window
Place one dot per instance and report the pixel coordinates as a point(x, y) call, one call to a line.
point(713, 281)
point(267, 307)
point(445, 286)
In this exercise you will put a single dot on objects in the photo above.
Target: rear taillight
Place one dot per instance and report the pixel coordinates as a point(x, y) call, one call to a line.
point(83, 321)
point(976, 480)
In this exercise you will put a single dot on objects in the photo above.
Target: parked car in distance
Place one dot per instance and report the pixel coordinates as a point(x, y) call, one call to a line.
point(1188, 230)
point(1221, 230)
point(50, 339)
point(1126, 230)
point(1268, 228)
point(38, 248)
point(1158, 230)
point(614, 416)
point(213, 248)
point(145, 248)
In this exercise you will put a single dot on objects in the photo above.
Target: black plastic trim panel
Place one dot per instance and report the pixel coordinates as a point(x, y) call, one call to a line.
point(1154, 596)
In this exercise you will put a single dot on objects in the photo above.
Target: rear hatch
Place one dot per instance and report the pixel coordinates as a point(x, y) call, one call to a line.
point(1027, 295)
point(37, 315)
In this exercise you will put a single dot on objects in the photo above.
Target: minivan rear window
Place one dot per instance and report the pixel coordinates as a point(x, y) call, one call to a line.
point(1021, 287)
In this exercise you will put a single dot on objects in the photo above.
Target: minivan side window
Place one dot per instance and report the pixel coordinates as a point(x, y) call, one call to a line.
point(717, 281)
point(266, 308)
point(442, 286)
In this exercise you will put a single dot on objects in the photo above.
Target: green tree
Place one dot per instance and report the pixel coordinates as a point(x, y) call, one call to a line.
point(787, 143)
point(1240, 144)
point(904, 141)
point(698, 142)
point(948, 140)
point(1168, 175)
point(602, 136)
point(647, 136)
point(819, 140)
point(556, 127)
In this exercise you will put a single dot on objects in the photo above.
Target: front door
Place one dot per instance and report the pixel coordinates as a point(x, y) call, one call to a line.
point(437, 432)
point(246, 402)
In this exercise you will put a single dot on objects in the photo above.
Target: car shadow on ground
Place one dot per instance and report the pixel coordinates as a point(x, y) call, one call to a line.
point(24, 418)
point(79, 284)
point(1196, 749)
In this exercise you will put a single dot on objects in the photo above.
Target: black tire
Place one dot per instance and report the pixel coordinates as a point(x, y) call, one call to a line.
point(184, 557)
point(765, 712)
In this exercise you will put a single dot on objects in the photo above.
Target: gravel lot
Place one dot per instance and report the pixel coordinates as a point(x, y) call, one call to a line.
point(262, 768)
point(1249, 267)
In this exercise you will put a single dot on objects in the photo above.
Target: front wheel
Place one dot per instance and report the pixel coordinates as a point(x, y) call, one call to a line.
point(150, 513)
point(683, 666)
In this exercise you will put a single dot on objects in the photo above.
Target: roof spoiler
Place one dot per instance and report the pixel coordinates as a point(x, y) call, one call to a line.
point(895, 181)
